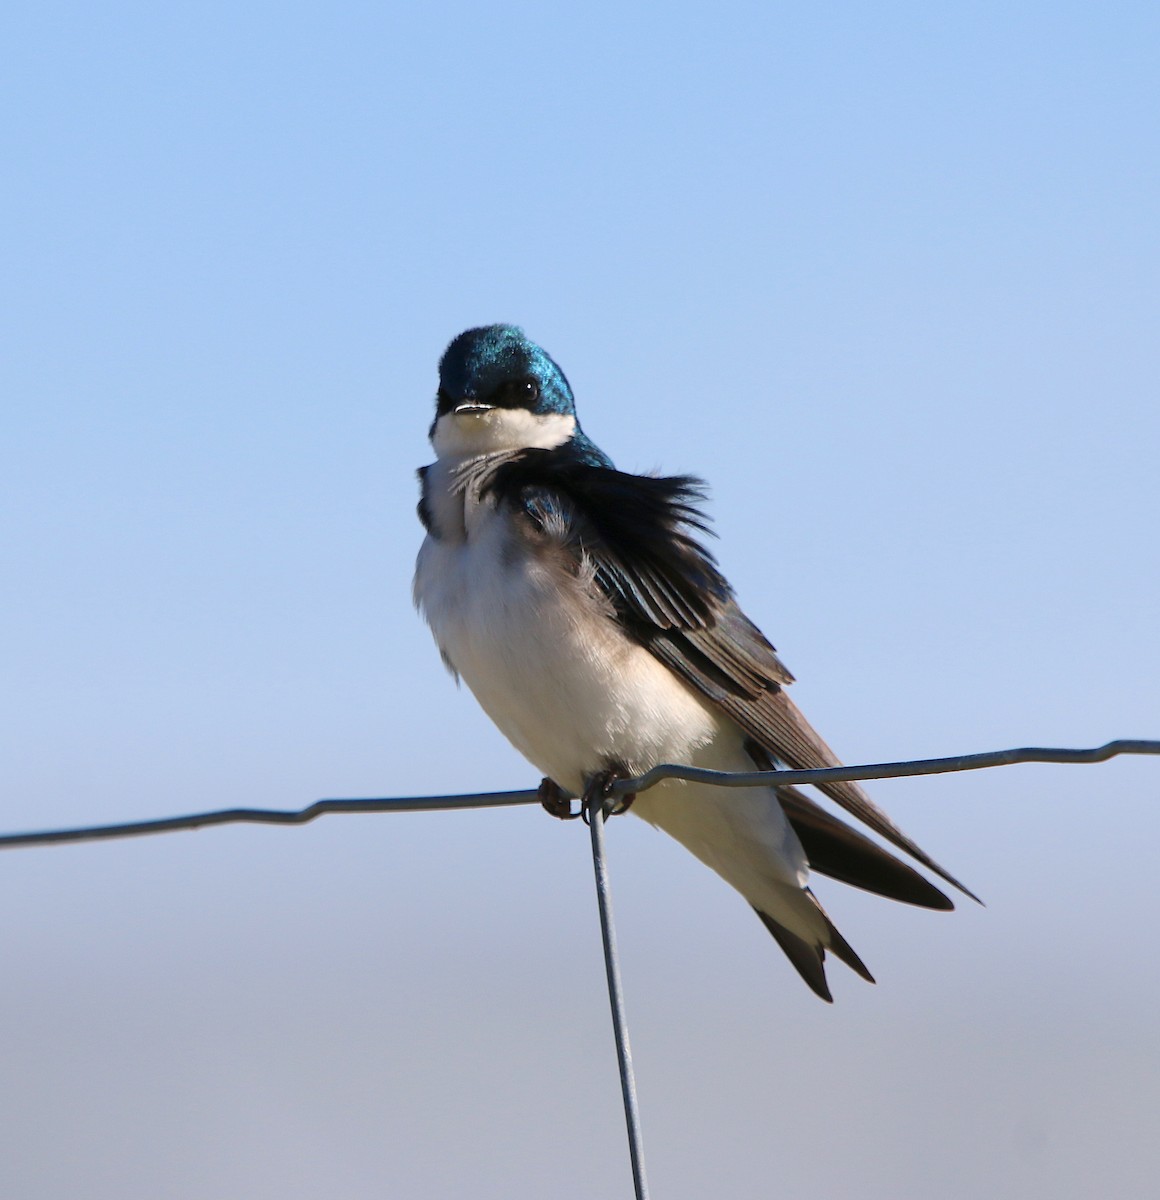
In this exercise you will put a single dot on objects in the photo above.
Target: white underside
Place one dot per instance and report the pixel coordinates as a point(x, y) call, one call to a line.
point(539, 649)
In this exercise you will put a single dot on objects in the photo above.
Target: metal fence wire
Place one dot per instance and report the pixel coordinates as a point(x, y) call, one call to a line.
point(595, 806)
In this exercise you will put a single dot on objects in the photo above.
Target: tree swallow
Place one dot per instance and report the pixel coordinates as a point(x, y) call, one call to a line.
point(595, 629)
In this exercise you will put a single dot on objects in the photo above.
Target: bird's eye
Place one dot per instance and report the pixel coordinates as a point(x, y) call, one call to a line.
point(516, 393)
point(519, 393)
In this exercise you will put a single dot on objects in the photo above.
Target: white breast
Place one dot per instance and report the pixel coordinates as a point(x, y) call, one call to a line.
point(538, 647)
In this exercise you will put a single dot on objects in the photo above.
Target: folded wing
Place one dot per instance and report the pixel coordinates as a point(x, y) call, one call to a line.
point(637, 535)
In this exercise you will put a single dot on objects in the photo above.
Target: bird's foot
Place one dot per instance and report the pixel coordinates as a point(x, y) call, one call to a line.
point(622, 804)
point(556, 801)
point(599, 791)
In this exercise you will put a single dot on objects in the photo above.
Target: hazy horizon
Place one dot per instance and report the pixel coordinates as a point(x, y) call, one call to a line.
point(885, 276)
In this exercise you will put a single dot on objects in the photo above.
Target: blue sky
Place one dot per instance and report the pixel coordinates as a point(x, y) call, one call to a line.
point(885, 275)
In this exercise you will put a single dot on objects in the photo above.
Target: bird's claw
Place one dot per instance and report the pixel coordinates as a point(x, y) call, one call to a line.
point(599, 791)
point(556, 801)
point(622, 805)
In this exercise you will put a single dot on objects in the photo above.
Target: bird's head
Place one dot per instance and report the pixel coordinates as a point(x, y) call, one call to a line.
point(498, 390)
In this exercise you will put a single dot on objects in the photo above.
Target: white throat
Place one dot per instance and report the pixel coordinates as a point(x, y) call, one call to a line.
point(466, 435)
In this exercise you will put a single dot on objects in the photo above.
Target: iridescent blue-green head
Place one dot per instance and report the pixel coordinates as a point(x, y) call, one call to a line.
point(498, 390)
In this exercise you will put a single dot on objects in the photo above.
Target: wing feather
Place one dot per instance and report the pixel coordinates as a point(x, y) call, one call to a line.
point(639, 532)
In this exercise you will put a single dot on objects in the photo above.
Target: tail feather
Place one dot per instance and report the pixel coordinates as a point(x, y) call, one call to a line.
point(842, 948)
point(808, 958)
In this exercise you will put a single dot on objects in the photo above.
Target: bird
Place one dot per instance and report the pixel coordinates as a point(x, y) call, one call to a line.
point(581, 607)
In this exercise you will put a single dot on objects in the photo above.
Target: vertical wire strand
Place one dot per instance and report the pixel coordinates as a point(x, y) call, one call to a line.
point(595, 806)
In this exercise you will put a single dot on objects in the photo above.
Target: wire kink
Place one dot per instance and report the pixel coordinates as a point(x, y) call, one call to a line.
point(272, 816)
point(895, 770)
point(267, 816)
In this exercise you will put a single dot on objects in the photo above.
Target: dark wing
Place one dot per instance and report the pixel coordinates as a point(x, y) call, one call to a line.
point(639, 533)
point(841, 852)
point(770, 718)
